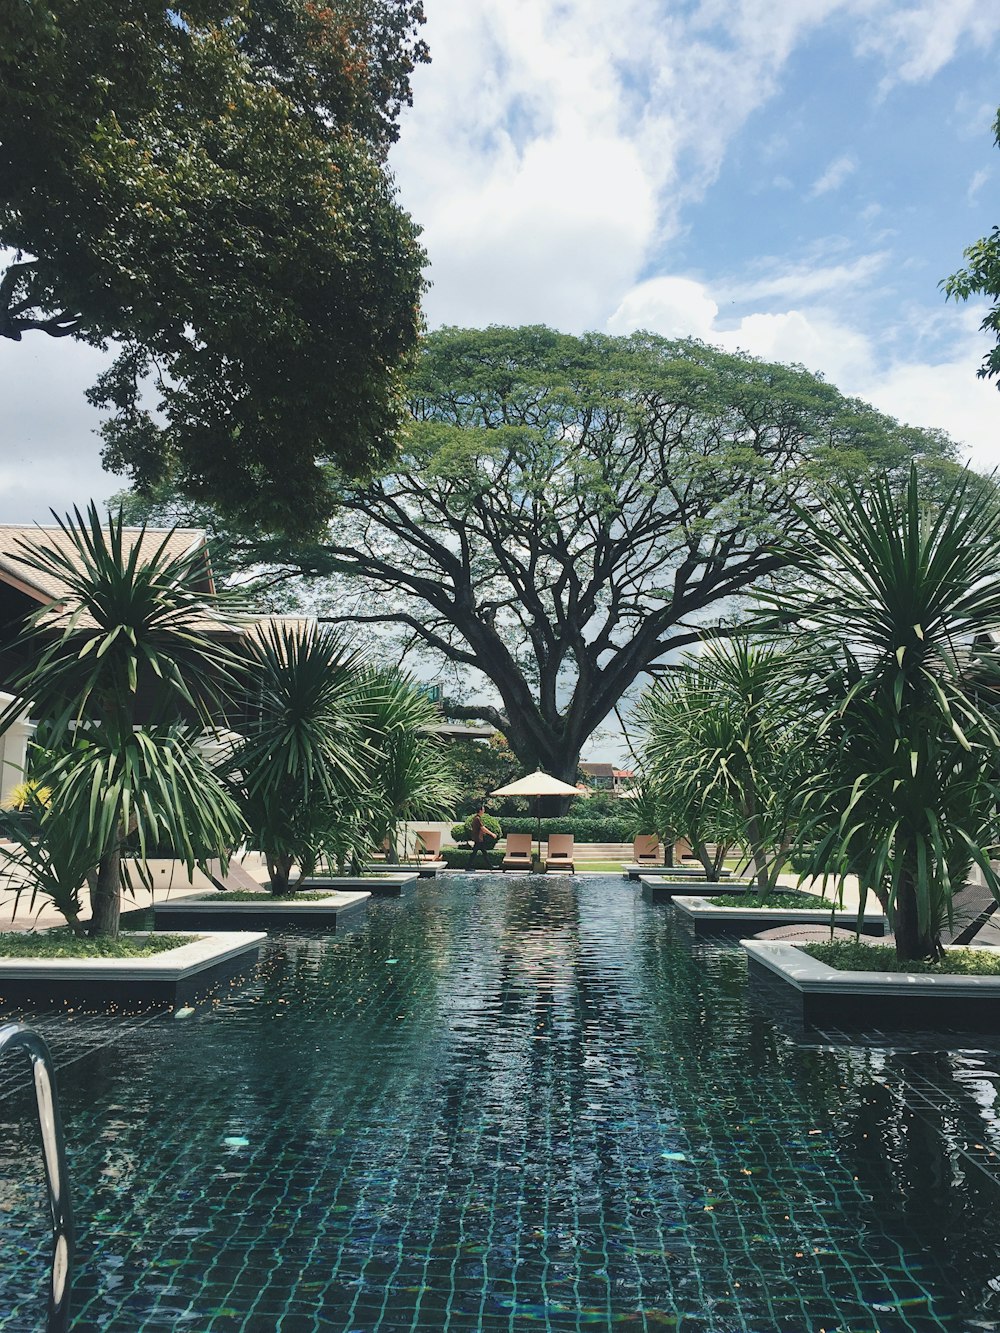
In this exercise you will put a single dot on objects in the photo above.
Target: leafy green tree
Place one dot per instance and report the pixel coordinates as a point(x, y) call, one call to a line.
point(565, 512)
point(728, 741)
point(301, 760)
point(408, 773)
point(479, 767)
point(115, 662)
point(900, 603)
point(982, 278)
point(209, 191)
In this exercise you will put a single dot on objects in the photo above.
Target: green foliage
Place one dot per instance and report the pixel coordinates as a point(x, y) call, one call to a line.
point(728, 739)
point(848, 956)
point(64, 944)
point(479, 767)
point(774, 898)
point(302, 760)
point(463, 832)
point(457, 858)
point(982, 278)
point(127, 626)
point(212, 195)
point(562, 508)
point(622, 829)
point(407, 772)
point(898, 601)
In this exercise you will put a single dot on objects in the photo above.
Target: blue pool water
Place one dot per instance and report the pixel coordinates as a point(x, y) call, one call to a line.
point(508, 1105)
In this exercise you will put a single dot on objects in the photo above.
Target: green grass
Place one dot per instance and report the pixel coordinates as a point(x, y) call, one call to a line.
point(252, 896)
point(779, 898)
point(63, 944)
point(848, 956)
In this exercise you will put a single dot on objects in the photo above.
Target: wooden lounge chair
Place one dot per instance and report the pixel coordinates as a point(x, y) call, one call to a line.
point(559, 853)
point(646, 850)
point(235, 878)
point(428, 844)
point(517, 855)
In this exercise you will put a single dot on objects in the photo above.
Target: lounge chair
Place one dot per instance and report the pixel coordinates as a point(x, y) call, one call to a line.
point(428, 844)
point(559, 853)
point(235, 878)
point(646, 850)
point(517, 855)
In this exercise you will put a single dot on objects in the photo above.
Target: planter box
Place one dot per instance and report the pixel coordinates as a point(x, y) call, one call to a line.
point(379, 886)
point(173, 978)
point(706, 919)
point(672, 872)
point(827, 997)
point(424, 869)
point(216, 913)
point(658, 889)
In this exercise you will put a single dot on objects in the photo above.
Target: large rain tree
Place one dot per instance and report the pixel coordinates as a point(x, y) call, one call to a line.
point(208, 190)
point(565, 513)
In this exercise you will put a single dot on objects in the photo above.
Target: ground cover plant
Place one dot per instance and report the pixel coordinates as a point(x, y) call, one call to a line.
point(65, 944)
point(791, 898)
point(848, 956)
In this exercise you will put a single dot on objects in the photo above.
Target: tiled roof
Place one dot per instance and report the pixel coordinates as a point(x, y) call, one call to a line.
point(45, 587)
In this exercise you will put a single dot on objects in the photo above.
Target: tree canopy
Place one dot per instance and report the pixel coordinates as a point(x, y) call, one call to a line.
point(209, 191)
point(565, 512)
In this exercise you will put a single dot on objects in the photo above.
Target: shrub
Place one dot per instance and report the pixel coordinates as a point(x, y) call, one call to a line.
point(457, 858)
point(622, 828)
point(463, 832)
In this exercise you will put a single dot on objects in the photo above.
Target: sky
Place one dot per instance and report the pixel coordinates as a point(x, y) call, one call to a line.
point(789, 177)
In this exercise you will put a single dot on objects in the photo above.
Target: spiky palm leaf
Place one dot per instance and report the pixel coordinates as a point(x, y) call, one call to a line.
point(126, 637)
point(900, 604)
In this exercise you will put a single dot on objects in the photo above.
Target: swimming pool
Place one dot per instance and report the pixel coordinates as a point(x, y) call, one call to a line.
point(507, 1104)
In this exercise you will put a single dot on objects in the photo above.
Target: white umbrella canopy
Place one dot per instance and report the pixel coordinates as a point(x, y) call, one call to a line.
point(537, 784)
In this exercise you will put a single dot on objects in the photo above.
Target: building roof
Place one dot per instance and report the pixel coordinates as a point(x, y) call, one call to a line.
point(597, 770)
point(47, 588)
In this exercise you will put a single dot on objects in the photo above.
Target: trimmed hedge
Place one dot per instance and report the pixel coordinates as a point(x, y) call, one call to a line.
point(611, 829)
point(457, 858)
point(463, 832)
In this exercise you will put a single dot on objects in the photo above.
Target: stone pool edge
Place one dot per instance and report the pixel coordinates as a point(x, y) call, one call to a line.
point(172, 977)
point(828, 995)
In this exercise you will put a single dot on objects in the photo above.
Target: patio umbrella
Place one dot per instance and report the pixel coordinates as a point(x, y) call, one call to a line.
point(537, 784)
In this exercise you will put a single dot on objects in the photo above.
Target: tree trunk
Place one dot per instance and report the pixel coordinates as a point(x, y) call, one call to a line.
point(279, 867)
point(701, 851)
point(106, 897)
point(912, 944)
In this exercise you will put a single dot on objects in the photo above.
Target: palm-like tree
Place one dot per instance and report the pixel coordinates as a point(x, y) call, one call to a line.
point(409, 775)
point(304, 758)
point(899, 603)
point(725, 745)
point(117, 660)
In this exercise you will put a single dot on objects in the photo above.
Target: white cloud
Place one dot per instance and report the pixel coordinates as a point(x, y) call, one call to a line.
point(806, 280)
point(976, 184)
point(917, 40)
point(834, 176)
point(940, 391)
point(51, 456)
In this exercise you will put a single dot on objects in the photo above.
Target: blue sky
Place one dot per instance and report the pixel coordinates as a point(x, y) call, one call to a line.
point(793, 177)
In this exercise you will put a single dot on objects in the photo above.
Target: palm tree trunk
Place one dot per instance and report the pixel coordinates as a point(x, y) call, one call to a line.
point(912, 943)
point(106, 897)
point(279, 867)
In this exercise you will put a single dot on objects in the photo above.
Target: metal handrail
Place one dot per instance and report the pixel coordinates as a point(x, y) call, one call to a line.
point(12, 1036)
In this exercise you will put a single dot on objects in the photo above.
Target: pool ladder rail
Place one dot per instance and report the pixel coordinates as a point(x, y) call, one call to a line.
point(12, 1037)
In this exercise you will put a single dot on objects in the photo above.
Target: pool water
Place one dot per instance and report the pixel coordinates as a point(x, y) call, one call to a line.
point(508, 1104)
